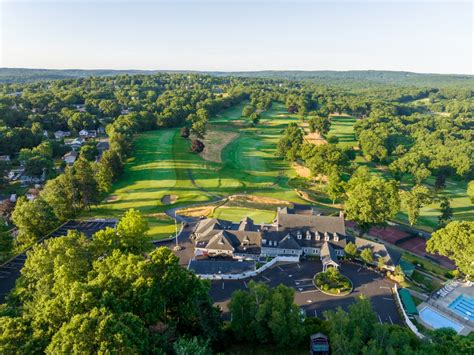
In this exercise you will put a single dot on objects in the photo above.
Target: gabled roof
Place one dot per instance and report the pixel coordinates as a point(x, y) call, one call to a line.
point(328, 254)
point(390, 256)
point(320, 223)
point(220, 242)
point(288, 243)
point(246, 224)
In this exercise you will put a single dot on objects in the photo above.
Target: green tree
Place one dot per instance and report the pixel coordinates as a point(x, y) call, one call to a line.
point(414, 200)
point(248, 110)
point(89, 152)
point(371, 200)
point(100, 331)
point(320, 124)
point(335, 187)
point(455, 242)
point(192, 346)
point(446, 212)
point(129, 236)
point(86, 183)
point(33, 219)
point(104, 177)
point(470, 191)
point(6, 245)
point(350, 249)
point(367, 256)
point(288, 146)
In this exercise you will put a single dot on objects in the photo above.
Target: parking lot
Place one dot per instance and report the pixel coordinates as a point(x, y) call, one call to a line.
point(299, 276)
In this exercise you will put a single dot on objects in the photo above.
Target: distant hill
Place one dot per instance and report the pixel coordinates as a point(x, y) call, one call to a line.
point(361, 77)
point(353, 78)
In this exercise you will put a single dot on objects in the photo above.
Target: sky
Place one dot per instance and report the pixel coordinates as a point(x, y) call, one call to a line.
point(426, 37)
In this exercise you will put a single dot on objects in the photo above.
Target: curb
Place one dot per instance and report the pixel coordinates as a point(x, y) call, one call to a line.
point(332, 294)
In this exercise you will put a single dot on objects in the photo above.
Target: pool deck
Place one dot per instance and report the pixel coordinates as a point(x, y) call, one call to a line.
point(441, 305)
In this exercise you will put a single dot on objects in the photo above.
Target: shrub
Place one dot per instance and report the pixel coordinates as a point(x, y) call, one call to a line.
point(184, 132)
point(197, 146)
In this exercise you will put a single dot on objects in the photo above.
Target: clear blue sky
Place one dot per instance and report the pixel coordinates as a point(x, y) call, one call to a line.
point(238, 35)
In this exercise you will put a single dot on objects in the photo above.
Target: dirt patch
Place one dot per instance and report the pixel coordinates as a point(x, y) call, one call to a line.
point(259, 199)
point(197, 211)
point(162, 216)
point(111, 198)
point(301, 170)
point(214, 142)
point(313, 138)
point(169, 199)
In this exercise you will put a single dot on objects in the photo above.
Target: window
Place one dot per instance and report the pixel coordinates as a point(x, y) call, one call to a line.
point(326, 237)
point(336, 237)
point(264, 241)
point(308, 235)
point(317, 236)
point(299, 235)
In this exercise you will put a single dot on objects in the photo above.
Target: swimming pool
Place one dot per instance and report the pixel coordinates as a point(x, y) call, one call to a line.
point(437, 320)
point(464, 306)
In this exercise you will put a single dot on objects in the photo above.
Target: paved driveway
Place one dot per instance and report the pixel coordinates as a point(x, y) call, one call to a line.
point(313, 302)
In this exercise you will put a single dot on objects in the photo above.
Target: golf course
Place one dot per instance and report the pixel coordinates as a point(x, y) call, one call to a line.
point(239, 158)
point(163, 170)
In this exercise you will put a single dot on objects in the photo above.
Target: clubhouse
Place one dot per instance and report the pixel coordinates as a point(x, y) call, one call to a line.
point(294, 232)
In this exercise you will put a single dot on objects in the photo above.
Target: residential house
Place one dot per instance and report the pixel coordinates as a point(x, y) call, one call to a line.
point(61, 134)
point(76, 143)
point(70, 157)
point(88, 133)
point(4, 158)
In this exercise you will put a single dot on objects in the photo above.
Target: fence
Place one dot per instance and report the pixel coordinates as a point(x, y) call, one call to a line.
point(407, 320)
point(244, 275)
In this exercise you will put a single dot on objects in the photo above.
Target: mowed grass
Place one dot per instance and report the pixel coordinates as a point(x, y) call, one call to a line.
point(162, 164)
point(236, 214)
point(343, 128)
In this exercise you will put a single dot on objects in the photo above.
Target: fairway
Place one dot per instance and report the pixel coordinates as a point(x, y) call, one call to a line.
point(163, 165)
point(343, 128)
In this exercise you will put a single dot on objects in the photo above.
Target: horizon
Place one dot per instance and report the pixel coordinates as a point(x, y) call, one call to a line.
point(232, 36)
point(238, 71)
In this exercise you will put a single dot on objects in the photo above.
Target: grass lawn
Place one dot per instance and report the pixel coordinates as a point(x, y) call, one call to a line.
point(236, 214)
point(427, 265)
point(343, 128)
point(163, 164)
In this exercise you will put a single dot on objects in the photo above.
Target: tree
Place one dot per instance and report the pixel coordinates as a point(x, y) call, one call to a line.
point(288, 146)
point(261, 313)
point(367, 256)
point(470, 191)
point(197, 146)
point(184, 132)
point(335, 187)
point(248, 110)
point(446, 212)
point(456, 242)
point(192, 346)
point(86, 183)
point(100, 331)
point(255, 117)
point(89, 152)
point(129, 236)
point(320, 124)
point(350, 249)
point(199, 128)
point(6, 245)
point(414, 200)
point(371, 200)
point(33, 219)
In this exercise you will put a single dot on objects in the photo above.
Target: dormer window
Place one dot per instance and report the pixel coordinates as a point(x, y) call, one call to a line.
point(299, 235)
point(336, 237)
point(326, 236)
point(264, 241)
point(318, 237)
